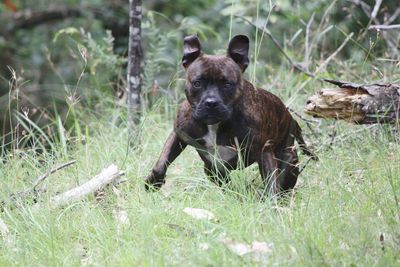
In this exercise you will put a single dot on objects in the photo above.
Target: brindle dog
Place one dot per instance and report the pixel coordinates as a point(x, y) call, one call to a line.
point(224, 115)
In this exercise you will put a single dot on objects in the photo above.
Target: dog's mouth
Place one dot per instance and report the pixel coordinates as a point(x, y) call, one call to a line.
point(212, 116)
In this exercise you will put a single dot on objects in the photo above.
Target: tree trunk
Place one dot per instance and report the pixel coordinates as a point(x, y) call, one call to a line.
point(361, 104)
point(134, 61)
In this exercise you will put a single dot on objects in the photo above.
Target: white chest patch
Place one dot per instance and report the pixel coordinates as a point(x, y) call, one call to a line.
point(217, 152)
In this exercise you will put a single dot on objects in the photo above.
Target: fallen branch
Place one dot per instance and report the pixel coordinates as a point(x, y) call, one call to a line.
point(384, 27)
point(26, 19)
point(357, 103)
point(105, 177)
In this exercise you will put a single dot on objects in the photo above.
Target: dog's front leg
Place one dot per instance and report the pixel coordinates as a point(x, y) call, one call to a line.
point(268, 166)
point(172, 148)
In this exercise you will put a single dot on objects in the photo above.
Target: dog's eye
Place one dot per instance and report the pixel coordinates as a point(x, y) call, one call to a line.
point(227, 85)
point(196, 84)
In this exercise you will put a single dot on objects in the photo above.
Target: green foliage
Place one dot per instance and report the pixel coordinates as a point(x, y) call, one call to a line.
point(96, 56)
point(60, 103)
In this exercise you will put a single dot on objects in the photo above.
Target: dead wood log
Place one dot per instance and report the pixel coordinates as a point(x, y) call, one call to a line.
point(105, 177)
point(357, 103)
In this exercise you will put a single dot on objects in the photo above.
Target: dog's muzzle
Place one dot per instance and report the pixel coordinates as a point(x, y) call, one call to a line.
point(211, 111)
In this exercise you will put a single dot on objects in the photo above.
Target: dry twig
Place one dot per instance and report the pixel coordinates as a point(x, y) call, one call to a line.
point(307, 51)
point(105, 177)
point(32, 194)
point(384, 27)
point(323, 65)
point(393, 17)
point(390, 42)
point(51, 171)
point(307, 121)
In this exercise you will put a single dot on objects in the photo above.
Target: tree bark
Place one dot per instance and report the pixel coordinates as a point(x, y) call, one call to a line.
point(27, 19)
point(134, 61)
point(357, 103)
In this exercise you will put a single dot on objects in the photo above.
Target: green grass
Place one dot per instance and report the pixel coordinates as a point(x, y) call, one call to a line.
point(341, 206)
point(344, 211)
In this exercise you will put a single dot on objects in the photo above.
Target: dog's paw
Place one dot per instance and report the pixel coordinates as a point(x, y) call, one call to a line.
point(153, 182)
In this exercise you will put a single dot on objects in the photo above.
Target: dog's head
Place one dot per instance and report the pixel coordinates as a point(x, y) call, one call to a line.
point(214, 82)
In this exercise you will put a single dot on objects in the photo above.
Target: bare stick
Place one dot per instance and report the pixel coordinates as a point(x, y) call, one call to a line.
point(34, 193)
point(390, 42)
point(372, 16)
point(376, 9)
point(307, 121)
point(105, 177)
point(323, 65)
point(51, 171)
point(301, 117)
point(307, 47)
point(393, 17)
point(384, 27)
point(321, 26)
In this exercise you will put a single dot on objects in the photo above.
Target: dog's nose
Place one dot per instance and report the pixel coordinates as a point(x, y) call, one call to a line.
point(211, 103)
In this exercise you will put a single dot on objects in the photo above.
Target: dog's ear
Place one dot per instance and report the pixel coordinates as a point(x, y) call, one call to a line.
point(238, 50)
point(191, 50)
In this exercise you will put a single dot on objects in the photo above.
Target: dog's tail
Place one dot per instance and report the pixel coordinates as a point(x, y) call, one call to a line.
point(297, 133)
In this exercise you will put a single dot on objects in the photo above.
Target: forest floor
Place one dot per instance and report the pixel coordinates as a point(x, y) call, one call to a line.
point(345, 209)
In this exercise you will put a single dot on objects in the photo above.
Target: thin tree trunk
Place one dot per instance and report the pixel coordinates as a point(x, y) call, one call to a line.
point(134, 60)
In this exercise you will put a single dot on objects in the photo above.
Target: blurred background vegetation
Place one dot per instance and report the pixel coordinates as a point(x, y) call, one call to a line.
point(63, 60)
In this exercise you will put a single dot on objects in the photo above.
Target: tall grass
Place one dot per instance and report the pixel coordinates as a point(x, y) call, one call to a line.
point(344, 210)
point(343, 205)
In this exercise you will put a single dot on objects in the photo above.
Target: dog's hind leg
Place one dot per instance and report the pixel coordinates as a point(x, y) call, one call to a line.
point(269, 171)
point(279, 169)
point(288, 168)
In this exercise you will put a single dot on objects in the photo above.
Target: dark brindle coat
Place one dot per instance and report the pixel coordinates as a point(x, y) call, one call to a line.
point(224, 111)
